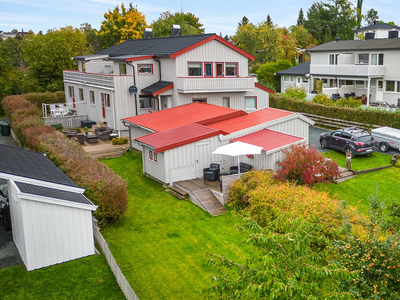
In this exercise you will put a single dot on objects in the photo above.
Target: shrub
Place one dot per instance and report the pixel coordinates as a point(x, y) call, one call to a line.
point(27, 122)
point(47, 97)
point(13, 103)
point(305, 166)
point(119, 141)
point(57, 126)
point(34, 134)
point(295, 92)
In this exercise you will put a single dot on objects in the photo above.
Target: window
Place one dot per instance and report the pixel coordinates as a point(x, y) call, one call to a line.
point(105, 100)
point(231, 69)
point(194, 69)
point(155, 156)
point(288, 78)
point(333, 58)
point(145, 69)
point(380, 61)
point(359, 84)
point(380, 85)
point(208, 69)
point(71, 92)
point(122, 69)
point(332, 83)
point(389, 86)
point(202, 100)
point(250, 103)
point(225, 101)
point(220, 69)
point(374, 59)
point(346, 82)
point(146, 102)
point(91, 97)
point(398, 87)
point(81, 96)
point(373, 83)
point(151, 154)
point(362, 59)
point(324, 81)
point(305, 79)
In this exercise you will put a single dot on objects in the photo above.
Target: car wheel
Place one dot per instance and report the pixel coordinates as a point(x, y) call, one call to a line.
point(348, 150)
point(323, 144)
point(384, 147)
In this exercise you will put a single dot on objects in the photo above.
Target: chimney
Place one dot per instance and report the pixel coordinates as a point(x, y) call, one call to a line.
point(376, 21)
point(148, 33)
point(337, 39)
point(175, 30)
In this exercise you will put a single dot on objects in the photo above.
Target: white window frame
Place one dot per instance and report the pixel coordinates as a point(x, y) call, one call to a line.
point(92, 97)
point(246, 107)
point(364, 54)
point(144, 69)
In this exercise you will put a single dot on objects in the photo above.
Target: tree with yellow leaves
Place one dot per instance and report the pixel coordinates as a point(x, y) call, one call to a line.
point(121, 25)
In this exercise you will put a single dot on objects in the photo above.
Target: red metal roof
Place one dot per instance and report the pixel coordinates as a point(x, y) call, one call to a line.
point(176, 137)
point(197, 112)
point(268, 139)
point(249, 120)
point(264, 88)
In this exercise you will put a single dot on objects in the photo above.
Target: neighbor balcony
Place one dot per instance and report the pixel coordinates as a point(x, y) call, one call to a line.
point(348, 70)
point(209, 85)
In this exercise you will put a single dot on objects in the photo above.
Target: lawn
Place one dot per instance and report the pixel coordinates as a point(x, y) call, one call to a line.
point(162, 243)
point(357, 190)
point(85, 278)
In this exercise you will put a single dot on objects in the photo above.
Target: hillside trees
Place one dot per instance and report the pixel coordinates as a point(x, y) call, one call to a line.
point(189, 24)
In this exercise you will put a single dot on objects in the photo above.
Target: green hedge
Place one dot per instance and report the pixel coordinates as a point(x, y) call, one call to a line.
point(366, 116)
point(47, 97)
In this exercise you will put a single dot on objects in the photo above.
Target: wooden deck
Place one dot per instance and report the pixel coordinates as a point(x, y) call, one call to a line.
point(105, 149)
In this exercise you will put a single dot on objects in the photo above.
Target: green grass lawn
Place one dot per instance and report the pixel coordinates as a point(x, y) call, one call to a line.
point(85, 278)
point(161, 244)
point(357, 190)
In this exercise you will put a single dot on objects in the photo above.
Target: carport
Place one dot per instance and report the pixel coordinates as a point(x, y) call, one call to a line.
point(51, 218)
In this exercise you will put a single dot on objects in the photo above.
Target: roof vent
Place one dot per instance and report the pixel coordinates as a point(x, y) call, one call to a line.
point(175, 30)
point(337, 39)
point(369, 35)
point(376, 21)
point(148, 33)
point(393, 34)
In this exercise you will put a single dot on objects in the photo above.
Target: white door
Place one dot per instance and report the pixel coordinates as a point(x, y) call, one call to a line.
point(379, 91)
point(298, 82)
point(203, 157)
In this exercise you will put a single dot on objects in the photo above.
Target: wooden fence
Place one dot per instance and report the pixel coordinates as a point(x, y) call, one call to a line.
point(338, 123)
point(66, 121)
point(122, 282)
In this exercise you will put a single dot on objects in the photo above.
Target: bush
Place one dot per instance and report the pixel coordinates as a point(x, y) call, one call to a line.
point(304, 165)
point(295, 92)
point(342, 102)
point(119, 141)
point(47, 97)
point(19, 127)
point(13, 103)
point(57, 126)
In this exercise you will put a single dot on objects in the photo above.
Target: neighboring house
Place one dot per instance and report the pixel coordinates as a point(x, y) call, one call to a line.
point(363, 68)
point(377, 31)
point(147, 75)
point(298, 76)
point(6, 35)
point(177, 148)
point(51, 218)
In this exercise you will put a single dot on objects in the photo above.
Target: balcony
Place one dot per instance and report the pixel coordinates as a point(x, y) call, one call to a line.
point(348, 70)
point(93, 79)
point(209, 85)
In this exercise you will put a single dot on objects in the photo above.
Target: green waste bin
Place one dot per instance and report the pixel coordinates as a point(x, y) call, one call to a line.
point(1, 125)
point(5, 129)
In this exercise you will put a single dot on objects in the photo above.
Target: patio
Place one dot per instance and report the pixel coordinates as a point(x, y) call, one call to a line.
point(105, 149)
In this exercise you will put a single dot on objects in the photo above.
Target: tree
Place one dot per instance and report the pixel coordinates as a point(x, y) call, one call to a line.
point(371, 16)
point(359, 12)
point(303, 37)
point(289, 43)
point(121, 25)
point(269, 20)
point(265, 73)
point(189, 24)
point(300, 19)
point(244, 21)
point(94, 41)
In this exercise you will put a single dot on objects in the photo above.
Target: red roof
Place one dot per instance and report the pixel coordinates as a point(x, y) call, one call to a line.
point(197, 112)
point(176, 137)
point(249, 120)
point(264, 88)
point(268, 139)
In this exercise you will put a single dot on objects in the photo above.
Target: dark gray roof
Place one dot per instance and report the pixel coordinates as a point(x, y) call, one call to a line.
point(300, 70)
point(31, 164)
point(162, 46)
point(52, 193)
point(359, 45)
point(155, 87)
point(377, 26)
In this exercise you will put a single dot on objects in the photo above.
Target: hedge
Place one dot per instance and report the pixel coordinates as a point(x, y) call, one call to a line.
point(366, 116)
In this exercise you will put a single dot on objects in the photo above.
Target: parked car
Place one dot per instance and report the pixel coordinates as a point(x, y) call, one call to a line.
point(386, 137)
point(351, 140)
point(5, 207)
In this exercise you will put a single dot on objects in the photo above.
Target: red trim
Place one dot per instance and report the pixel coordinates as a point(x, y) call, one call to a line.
point(222, 69)
point(163, 90)
point(150, 154)
point(264, 88)
point(140, 58)
point(204, 67)
point(211, 38)
point(152, 71)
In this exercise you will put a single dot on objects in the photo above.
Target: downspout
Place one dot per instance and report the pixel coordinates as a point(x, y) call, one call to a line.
point(159, 70)
point(134, 83)
point(129, 130)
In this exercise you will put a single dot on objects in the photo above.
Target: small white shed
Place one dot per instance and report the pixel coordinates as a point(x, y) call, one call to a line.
point(51, 218)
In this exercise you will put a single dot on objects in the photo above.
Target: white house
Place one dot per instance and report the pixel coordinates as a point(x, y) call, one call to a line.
point(146, 75)
point(51, 218)
point(177, 143)
point(366, 68)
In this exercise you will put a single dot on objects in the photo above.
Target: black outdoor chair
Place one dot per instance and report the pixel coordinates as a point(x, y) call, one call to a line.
point(243, 168)
point(211, 173)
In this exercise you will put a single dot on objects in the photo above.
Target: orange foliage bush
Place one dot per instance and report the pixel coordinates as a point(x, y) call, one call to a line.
point(12, 103)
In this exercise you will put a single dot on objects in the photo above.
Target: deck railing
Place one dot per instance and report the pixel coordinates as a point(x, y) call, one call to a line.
point(67, 121)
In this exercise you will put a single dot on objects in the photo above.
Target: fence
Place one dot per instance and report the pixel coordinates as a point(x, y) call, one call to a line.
point(338, 123)
point(67, 121)
point(122, 282)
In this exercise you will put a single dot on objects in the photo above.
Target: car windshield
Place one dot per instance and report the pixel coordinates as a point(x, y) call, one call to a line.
point(365, 138)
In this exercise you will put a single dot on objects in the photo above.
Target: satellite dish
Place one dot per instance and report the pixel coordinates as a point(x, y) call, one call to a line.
point(133, 90)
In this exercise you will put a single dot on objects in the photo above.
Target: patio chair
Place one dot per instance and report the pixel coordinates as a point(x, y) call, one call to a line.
point(103, 133)
point(211, 173)
point(243, 168)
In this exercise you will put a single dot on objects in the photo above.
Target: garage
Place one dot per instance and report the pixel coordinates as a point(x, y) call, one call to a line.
point(51, 219)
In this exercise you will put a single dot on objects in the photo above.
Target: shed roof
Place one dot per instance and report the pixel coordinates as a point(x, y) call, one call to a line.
point(300, 70)
point(31, 164)
point(158, 88)
point(358, 45)
point(268, 139)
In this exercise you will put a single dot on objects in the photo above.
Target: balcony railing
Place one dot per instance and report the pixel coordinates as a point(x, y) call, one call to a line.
point(347, 70)
point(195, 84)
point(90, 78)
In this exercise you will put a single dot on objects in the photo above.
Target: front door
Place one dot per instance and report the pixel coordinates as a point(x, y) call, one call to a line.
point(379, 91)
point(103, 105)
point(298, 82)
point(203, 157)
point(73, 97)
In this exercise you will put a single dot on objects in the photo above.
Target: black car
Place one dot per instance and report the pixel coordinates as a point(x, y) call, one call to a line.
point(351, 140)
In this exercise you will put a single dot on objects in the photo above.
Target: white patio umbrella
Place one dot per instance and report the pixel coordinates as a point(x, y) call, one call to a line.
point(237, 149)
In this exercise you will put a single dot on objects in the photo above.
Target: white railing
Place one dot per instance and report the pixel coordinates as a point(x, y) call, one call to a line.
point(348, 70)
point(213, 84)
point(66, 122)
point(90, 78)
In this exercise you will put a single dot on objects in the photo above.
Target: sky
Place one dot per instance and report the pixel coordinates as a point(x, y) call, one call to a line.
point(217, 16)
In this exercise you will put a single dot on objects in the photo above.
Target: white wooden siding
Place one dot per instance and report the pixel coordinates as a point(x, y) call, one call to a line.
point(99, 66)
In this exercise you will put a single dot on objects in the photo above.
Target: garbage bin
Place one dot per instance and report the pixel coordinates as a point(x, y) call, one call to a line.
point(5, 129)
point(1, 125)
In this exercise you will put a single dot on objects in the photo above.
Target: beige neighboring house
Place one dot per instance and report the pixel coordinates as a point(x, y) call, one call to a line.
point(146, 75)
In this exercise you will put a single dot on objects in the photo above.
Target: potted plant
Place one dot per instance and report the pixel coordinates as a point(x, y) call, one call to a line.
point(86, 130)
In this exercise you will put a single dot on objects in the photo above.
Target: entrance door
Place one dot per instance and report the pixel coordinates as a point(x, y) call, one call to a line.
point(73, 97)
point(103, 105)
point(298, 84)
point(379, 91)
point(203, 157)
